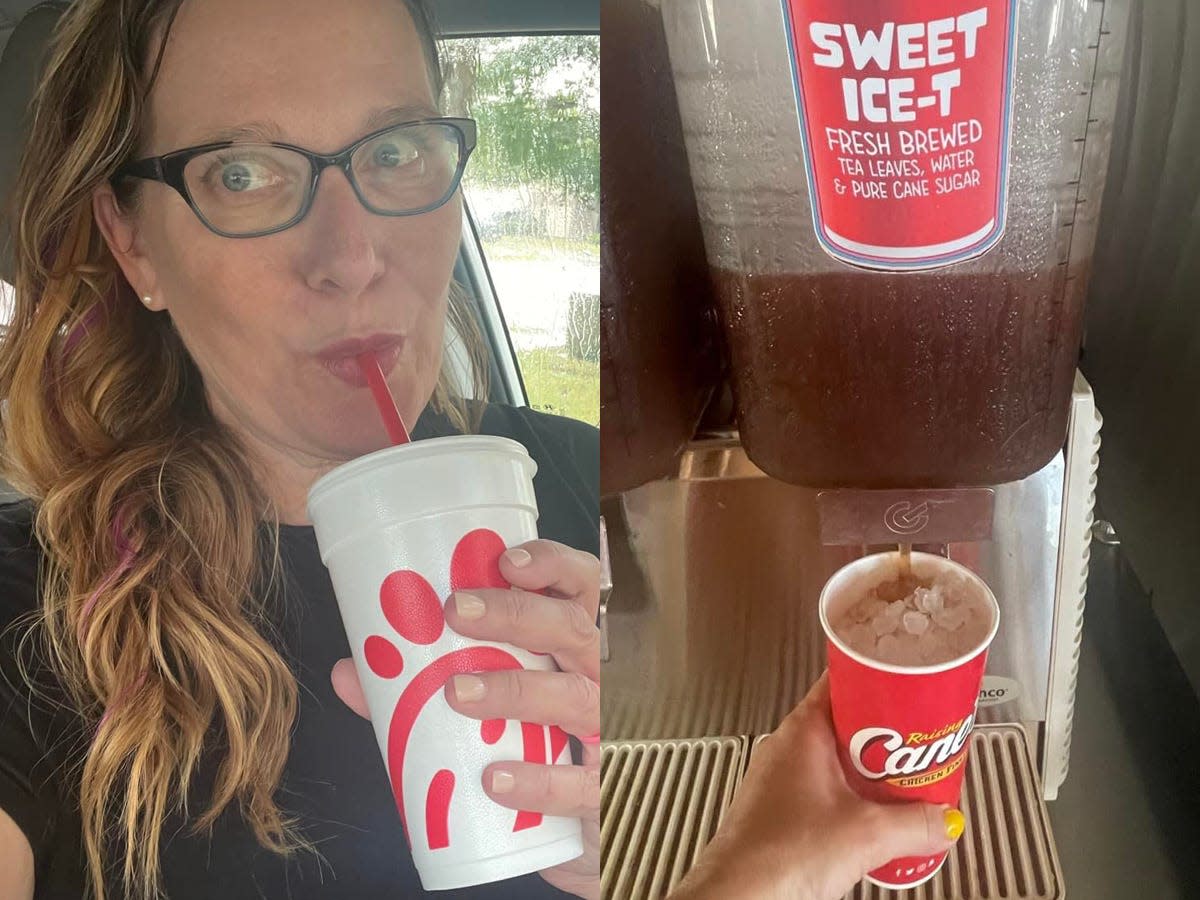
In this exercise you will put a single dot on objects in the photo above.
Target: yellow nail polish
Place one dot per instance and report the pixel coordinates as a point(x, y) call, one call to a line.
point(955, 824)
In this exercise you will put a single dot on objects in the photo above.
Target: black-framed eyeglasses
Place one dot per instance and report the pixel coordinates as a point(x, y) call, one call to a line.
point(243, 189)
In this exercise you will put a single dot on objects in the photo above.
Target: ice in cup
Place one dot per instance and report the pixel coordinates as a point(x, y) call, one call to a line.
point(911, 621)
point(400, 530)
point(906, 659)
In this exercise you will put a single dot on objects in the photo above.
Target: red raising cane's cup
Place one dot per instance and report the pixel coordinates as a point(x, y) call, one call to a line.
point(903, 731)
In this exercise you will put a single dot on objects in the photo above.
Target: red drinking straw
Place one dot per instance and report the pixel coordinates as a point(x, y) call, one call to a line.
point(384, 400)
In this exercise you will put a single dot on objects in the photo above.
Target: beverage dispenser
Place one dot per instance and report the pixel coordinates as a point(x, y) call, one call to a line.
point(899, 203)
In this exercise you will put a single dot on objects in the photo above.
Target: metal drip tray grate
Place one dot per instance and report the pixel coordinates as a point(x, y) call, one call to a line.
point(662, 801)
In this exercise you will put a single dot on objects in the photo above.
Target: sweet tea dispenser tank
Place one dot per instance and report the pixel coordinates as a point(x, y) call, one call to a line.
point(659, 358)
point(899, 202)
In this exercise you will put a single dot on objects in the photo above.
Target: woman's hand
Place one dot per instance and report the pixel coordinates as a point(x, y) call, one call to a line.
point(797, 830)
point(551, 609)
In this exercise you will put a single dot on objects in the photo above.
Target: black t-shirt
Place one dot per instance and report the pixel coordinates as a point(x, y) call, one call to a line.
point(335, 781)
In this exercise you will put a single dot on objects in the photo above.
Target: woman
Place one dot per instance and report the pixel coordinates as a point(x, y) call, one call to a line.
point(176, 376)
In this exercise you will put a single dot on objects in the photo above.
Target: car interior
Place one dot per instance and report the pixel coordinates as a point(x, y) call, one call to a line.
point(25, 28)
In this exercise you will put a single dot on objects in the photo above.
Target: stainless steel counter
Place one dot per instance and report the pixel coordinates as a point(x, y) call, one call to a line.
point(712, 625)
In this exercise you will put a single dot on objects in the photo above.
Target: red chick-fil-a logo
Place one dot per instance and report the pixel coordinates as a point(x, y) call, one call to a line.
point(905, 111)
point(415, 613)
point(879, 753)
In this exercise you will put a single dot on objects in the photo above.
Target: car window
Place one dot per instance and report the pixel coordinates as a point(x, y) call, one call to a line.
point(533, 188)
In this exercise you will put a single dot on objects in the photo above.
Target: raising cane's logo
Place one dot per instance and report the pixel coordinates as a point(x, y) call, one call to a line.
point(915, 760)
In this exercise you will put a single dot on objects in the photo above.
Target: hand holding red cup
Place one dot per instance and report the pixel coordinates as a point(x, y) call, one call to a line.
point(903, 730)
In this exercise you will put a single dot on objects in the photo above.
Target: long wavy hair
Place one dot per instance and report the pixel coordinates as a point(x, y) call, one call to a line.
point(155, 580)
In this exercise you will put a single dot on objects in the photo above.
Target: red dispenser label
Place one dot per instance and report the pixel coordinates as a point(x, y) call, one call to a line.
point(905, 110)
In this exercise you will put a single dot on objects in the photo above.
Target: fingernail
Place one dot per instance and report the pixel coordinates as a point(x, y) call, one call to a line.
point(503, 782)
point(518, 557)
point(955, 824)
point(468, 606)
point(468, 687)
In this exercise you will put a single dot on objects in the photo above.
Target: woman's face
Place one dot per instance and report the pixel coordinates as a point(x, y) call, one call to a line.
point(256, 313)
